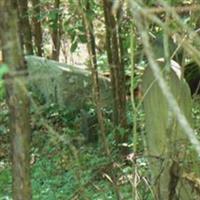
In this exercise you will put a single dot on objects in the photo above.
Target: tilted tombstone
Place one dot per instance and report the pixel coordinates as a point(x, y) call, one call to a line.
point(165, 138)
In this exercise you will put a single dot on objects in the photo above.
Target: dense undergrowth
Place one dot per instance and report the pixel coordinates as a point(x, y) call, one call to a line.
point(66, 166)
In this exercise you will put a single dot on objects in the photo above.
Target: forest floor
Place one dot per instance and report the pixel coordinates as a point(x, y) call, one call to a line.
point(65, 167)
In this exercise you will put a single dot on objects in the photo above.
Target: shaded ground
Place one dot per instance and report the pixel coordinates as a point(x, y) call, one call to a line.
point(65, 167)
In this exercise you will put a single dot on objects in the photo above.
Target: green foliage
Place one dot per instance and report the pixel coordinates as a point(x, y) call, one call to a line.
point(49, 183)
point(3, 119)
point(196, 114)
point(64, 171)
point(102, 62)
point(52, 17)
point(5, 183)
point(2, 90)
point(75, 31)
point(3, 70)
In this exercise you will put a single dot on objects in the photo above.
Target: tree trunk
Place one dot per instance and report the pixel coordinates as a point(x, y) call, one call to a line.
point(25, 28)
point(56, 32)
point(93, 66)
point(37, 29)
point(116, 68)
point(17, 100)
point(109, 55)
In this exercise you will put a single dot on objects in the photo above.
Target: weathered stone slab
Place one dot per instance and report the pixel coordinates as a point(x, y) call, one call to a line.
point(68, 86)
